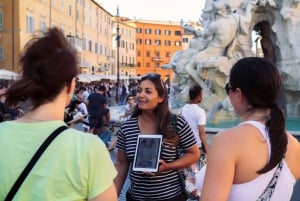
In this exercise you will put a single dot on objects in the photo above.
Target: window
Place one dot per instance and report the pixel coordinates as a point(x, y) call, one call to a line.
point(84, 43)
point(138, 53)
point(177, 33)
point(96, 47)
point(30, 24)
point(148, 42)
point(147, 53)
point(157, 31)
point(148, 64)
point(53, 3)
point(138, 30)
point(1, 20)
point(185, 40)
point(138, 64)
point(157, 55)
point(167, 43)
point(70, 10)
point(100, 49)
point(43, 25)
point(139, 41)
point(77, 14)
point(1, 54)
point(108, 51)
point(168, 54)
point(90, 45)
point(148, 31)
point(157, 42)
point(105, 51)
point(167, 32)
point(62, 5)
point(177, 43)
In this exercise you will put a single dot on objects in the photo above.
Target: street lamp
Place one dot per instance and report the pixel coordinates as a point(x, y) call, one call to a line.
point(118, 46)
point(156, 56)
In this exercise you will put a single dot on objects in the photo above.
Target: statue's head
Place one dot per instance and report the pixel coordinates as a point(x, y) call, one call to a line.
point(220, 7)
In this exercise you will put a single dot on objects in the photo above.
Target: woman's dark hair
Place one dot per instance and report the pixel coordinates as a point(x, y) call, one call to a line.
point(48, 62)
point(162, 110)
point(260, 82)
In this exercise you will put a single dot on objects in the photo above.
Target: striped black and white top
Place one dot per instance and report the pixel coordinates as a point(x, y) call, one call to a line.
point(165, 185)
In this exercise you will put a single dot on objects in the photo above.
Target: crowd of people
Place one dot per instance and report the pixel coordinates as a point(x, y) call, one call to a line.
point(242, 161)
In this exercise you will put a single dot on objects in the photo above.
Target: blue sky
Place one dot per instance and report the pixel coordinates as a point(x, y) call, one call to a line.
point(164, 10)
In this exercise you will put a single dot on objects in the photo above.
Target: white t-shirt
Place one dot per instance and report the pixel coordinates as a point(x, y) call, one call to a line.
point(195, 116)
point(85, 96)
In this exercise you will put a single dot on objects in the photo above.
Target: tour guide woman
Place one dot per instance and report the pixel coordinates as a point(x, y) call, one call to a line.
point(152, 116)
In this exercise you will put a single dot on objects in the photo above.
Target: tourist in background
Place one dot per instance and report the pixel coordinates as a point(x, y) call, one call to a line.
point(118, 93)
point(75, 166)
point(243, 160)
point(79, 115)
point(4, 109)
point(83, 94)
point(130, 100)
point(127, 114)
point(123, 94)
point(196, 117)
point(98, 111)
point(151, 115)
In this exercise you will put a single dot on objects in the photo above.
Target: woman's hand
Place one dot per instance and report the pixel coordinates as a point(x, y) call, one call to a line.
point(163, 166)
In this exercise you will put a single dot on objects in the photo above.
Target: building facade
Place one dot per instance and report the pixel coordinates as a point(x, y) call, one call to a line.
point(87, 25)
point(156, 42)
point(144, 45)
point(124, 47)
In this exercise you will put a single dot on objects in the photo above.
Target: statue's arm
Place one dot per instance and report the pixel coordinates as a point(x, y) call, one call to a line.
point(210, 30)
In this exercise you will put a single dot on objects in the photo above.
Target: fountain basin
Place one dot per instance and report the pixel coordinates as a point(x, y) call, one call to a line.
point(292, 123)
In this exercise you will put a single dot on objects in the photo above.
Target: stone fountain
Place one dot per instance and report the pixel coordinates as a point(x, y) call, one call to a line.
point(227, 36)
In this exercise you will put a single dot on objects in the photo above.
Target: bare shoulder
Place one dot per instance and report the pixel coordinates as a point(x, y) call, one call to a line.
point(292, 156)
point(238, 138)
point(226, 139)
point(293, 145)
point(239, 132)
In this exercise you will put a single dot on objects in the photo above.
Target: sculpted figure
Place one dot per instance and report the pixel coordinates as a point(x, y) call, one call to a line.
point(218, 42)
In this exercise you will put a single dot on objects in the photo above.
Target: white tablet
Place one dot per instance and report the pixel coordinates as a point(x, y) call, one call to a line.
point(147, 153)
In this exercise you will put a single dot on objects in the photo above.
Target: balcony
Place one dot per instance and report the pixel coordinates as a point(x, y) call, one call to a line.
point(158, 59)
point(127, 65)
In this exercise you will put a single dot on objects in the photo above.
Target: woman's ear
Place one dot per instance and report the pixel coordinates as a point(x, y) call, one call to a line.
point(72, 86)
point(239, 95)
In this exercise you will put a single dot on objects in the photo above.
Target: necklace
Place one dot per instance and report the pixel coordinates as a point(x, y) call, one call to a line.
point(258, 117)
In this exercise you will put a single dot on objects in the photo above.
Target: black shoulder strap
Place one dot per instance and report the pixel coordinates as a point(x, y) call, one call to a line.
point(32, 162)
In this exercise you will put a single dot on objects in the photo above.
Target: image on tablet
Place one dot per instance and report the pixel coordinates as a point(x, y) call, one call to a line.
point(147, 153)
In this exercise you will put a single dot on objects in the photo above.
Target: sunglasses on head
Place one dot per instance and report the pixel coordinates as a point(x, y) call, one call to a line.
point(228, 88)
point(154, 76)
point(151, 75)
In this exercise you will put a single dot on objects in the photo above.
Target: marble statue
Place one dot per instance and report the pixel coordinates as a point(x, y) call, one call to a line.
point(227, 36)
